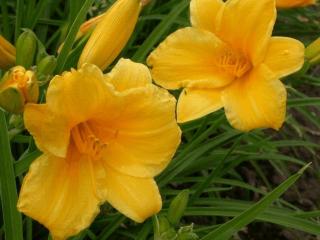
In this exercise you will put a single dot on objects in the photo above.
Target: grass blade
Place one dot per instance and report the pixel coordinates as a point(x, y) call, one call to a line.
point(158, 32)
point(63, 56)
point(226, 230)
point(11, 217)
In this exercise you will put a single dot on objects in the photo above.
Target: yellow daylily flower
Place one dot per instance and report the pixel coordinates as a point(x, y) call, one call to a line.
point(294, 3)
point(229, 59)
point(111, 33)
point(7, 54)
point(104, 138)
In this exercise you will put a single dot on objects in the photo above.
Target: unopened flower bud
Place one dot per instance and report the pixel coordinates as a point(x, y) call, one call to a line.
point(177, 207)
point(313, 52)
point(111, 33)
point(46, 67)
point(89, 25)
point(7, 54)
point(186, 233)
point(163, 229)
point(86, 28)
point(18, 87)
point(26, 49)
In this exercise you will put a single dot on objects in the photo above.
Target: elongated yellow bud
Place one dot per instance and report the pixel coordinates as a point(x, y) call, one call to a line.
point(294, 3)
point(7, 54)
point(111, 34)
point(89, 25)
point(18, 87)
point(86, 27)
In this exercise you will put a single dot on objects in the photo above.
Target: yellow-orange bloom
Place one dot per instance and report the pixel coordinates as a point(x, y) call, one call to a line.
point(104, 138)
point(111, 33)
point(294, 3)
point(229, 59)
point(7, 54)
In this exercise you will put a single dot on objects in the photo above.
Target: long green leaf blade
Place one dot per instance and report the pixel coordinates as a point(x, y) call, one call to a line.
point(226, 230)
point(11, 217)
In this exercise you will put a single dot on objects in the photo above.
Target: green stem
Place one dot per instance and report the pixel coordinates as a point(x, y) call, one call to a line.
point(11, 217)
point(62, 58)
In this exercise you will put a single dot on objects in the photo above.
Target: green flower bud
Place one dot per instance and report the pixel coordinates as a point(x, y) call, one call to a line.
point(177, 207)
point(12, 100)
point(313, 52)
point(163, 229)
point(26, 47)
point(167, 232)
point(18, 87)
point(46, 67)
point(186, 233)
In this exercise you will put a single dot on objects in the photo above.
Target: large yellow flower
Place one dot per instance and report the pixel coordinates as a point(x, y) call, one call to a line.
point(229, 59)
point(7, 54)
point(103, 138)
point(294, 3)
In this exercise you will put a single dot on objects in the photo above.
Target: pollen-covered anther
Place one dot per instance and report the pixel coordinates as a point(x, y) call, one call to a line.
point(86, 141)
point(234, 63)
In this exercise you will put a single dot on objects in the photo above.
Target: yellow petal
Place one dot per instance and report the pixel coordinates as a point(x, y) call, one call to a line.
point(7, 53)
point(247, 26)
point(144, 135)
point(196, 103)
point(204, 14)
point(60, 194)
point(77, 95)
point(137, 198)
point(127, 74)
point(50, 131)
point(187, 56)
point(111, 34)
point(284, 56)
point(257, 100)
point(294, 3)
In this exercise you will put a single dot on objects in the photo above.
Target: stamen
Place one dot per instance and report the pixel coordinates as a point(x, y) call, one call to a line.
point(86, 141)
point(233, 63)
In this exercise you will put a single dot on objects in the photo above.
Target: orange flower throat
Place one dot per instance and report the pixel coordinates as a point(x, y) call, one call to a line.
point(233, 62)
point(86, 141)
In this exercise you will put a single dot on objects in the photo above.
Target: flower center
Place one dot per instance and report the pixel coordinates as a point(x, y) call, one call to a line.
point(86, 141)
point(233, 62)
